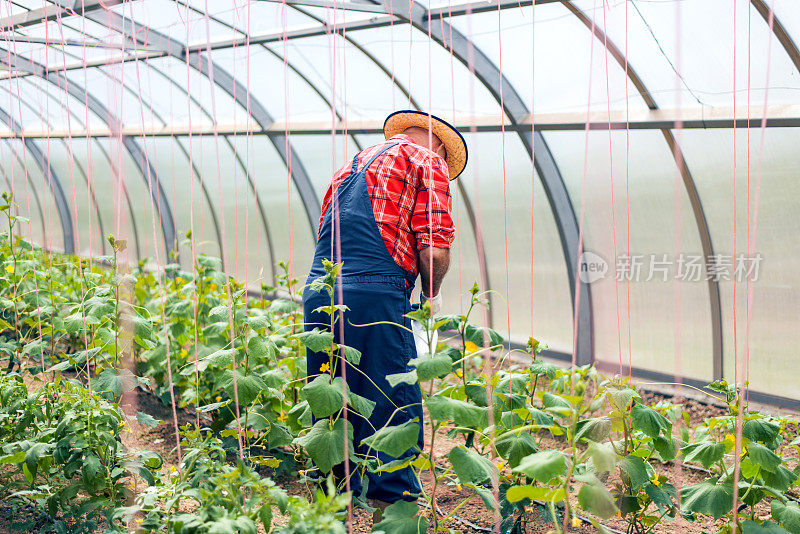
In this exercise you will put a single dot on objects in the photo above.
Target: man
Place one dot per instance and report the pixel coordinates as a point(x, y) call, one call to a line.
point(389, 223)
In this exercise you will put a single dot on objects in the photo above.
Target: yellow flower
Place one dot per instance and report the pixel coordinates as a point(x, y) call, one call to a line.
point(324, 367)
point(458, 486)
point(469, 346)
point(122, 423)
point(218, 398)
point(178, 279)
point(184, 353)
point(656, 480)
point(500, 465)
point(172, 469)
point(283, 416)
point(406, 493)
point(9, 268)
point(112, 432)
point(576, 522)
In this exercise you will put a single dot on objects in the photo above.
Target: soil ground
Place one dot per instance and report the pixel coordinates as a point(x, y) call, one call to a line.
point(474, 514)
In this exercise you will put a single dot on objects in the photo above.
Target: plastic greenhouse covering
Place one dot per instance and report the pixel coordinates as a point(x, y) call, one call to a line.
point(632, 187)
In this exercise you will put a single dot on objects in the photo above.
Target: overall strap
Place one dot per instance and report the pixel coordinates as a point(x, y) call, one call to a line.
point(372, 159)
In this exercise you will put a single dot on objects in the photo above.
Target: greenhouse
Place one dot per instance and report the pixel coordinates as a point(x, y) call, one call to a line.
point(570, 307)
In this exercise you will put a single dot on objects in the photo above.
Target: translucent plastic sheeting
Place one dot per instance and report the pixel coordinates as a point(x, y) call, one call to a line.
point(107, 86)
point(49, 101)
point(71, 170)
point(684, 51)
point(270, 82)
point(232, 199)
point(252, 17)
point(670, 318)
point(101, 175)
point(438, 84)
point(514, 202)
point(788, 12)
point(271, 180)
point(26, 199)
point(190, 207)
point(322, 156)
point(167, 79)
point(568, 59)
point(146, 221)
point(172, 19)
point(23, 111)
point(25, 177)
point(360, 86)
point(161, 100)
point(773, 336)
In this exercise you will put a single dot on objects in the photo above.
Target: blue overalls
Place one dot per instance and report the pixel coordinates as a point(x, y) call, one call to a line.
point(374, 289)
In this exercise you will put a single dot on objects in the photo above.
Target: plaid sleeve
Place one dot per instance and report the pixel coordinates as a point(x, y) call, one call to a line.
point(431, 221)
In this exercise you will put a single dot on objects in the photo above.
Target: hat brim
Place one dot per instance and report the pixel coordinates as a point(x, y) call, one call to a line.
point(454, 142)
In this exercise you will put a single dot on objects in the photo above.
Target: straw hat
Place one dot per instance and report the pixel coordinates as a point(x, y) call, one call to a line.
point(453, 141)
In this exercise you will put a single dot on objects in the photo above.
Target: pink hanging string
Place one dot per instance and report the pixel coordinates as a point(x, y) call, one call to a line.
point(605, 8)
point(576, 288)
point(225, 258)
point(155, 212)
point(627, 194)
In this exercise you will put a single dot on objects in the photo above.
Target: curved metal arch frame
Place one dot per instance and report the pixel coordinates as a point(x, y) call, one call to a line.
point(195, 172)
point(65, 215)
point(703, 230)
point(140, 158)
point(483, 265)
point(93, 197)
point(80, 122)
point(222, 79)
point(36, 198)
point(493, 79)
point(462, 191)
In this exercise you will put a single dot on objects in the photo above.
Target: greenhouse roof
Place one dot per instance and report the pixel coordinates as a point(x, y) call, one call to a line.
point(625, 128)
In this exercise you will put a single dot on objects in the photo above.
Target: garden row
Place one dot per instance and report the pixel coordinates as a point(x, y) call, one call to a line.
point(236, 360)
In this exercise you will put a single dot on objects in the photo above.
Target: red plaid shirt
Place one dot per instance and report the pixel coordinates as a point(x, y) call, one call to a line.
point(398, 182)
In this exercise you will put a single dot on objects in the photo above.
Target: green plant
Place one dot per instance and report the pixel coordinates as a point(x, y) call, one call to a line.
point(61, 445)
point(223, 498)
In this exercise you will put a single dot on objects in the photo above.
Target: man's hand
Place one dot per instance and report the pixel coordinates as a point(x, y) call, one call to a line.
point(433, 265)
point(435, 303)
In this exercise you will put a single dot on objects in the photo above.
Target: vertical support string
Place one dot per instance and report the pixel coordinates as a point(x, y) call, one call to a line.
point(611, 182)
point(161, 274)
point(225, 259)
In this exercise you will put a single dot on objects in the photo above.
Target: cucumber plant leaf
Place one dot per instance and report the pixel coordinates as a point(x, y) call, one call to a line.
point(401, 517)
point(325, 444)
point(760, 430)
point(708, 498)
point(635, 472)
point(763, 457)
point(317, 340)
point(324, 398)
point(595, 498)
point(706, 452)
point(543, 466)
point(470, 467)
point(514, 448)
point(767, 527)
point(394, 440)
point(649, 421)
point(787, 515)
